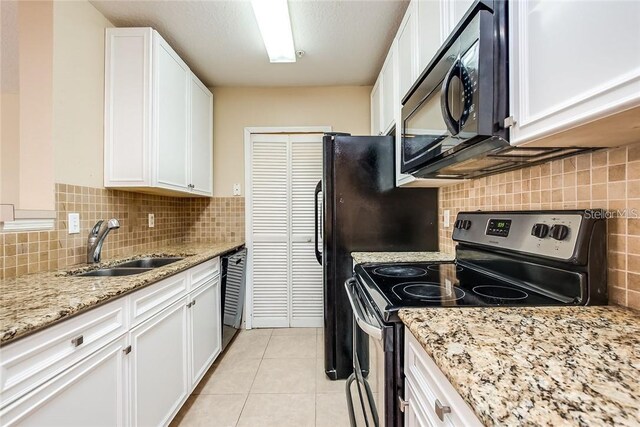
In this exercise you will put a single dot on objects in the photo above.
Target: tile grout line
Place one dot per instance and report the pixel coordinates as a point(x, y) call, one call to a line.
point(254, 379)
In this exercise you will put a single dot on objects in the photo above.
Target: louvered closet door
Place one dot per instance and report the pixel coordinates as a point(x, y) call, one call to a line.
point(306, 273)
point(270, 230)
point(287, 280)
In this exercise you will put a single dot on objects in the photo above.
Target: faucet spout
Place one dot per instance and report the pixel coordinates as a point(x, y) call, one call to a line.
point(97, 235)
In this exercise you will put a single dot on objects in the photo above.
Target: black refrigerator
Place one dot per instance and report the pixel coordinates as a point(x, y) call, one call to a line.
point(362, 210)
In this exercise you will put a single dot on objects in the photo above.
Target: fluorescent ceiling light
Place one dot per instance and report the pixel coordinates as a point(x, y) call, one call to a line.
point(275, 27)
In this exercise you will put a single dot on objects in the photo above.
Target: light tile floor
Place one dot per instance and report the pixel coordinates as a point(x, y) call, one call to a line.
point(268, 377)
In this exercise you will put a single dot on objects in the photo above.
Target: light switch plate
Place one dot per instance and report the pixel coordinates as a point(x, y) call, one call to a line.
point(447, 219)
point(74, 223)
point(152, 220)
point(236, 189)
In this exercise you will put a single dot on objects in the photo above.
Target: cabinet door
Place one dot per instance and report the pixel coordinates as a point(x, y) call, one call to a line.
point(171, 90)
point(376, 106)
point(430, 32)
point(127, 103)
point(407, 51)
point(413, 414)
point(159, 376)
point(452, 13)
point(201, 138)
point(90, 393)
point(390, 101)
point(205, 321)
point(572, 63)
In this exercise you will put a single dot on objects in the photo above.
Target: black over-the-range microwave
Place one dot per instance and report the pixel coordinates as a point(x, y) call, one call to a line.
point(453, 117)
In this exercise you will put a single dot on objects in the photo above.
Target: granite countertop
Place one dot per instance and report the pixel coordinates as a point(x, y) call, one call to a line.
point(366, 257)
point(36, 301)
point(538, 366)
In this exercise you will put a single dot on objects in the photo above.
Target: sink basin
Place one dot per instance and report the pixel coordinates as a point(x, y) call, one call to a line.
point(114, 272)
point(148, 262)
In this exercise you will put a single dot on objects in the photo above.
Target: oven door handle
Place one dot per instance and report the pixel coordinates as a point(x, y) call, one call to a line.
point(374, 331)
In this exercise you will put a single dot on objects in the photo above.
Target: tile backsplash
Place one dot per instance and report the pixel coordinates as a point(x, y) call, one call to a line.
point(177, 220)
point(607, 179)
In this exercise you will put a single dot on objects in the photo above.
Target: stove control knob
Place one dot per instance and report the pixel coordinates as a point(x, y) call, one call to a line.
point(466, 224)
point(559, 232)
point(540, 230)
point(458, 224)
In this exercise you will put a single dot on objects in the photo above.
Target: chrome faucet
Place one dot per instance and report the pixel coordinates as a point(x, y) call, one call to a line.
point(96, 239)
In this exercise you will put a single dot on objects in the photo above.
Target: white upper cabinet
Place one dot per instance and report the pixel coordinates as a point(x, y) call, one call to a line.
point(452, 12)
point(389, 93)
point(430, 30)
point(376, 109)
point(201, 138)
point(171, 102)
point(158, 117)
point(407, 51)
point(573, 63)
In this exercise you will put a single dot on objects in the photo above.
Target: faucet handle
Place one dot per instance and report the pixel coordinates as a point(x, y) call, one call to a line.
point(96, 229)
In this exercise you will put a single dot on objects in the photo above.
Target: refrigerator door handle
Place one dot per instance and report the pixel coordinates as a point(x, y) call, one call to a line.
point(317, 225)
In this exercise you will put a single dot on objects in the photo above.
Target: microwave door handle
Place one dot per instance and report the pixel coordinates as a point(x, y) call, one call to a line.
point(370, 329)
point(451, 123)
point(457, 70)
point(317, 225)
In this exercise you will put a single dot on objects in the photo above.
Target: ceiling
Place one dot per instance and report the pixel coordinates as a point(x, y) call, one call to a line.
point(345, 41)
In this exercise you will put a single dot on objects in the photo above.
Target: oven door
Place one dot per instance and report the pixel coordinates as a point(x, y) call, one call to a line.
point(368, 394)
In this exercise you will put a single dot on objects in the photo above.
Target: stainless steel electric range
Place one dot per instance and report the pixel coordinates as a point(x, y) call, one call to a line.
point(524, 258)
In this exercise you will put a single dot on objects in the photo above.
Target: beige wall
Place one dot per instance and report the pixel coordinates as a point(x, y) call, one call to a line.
point(345, 108)
point(78, 93)
point(27, 149)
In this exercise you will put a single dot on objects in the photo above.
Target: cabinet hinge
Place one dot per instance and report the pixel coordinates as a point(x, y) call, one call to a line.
point(509, 122)
point(127, 349)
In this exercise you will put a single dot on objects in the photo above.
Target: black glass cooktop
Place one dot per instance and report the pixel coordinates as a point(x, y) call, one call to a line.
point(394, 286)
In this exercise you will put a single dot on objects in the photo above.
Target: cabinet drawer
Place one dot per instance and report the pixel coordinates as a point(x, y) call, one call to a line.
point(90, 393)
point(153, 299)
point(36, 359)
point(430, 384)
point(201, 274)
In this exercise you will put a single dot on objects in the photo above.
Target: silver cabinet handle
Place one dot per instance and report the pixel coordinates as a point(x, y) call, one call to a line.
point(77, 341)
point(127, 349)
point(441, 410)
point(193, 302)
point(371, 330)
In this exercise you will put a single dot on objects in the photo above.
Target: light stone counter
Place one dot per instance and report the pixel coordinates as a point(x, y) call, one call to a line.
point(377, 257)
point(538, 366)
point(33, 302)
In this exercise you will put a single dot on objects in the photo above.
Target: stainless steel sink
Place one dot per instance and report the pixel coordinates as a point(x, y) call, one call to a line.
point(114, 272)
point(148, 262)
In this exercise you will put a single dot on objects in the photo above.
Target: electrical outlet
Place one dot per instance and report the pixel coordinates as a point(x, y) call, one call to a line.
point(74, 223)
point(447, 218)
point(152, 220)
point(236, 189)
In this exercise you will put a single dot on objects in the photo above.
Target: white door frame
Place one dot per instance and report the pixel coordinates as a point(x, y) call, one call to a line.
point(248, 131)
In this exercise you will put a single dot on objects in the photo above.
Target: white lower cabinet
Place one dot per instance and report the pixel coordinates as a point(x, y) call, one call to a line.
point(159, 357)
point(430, 397)
point(133, 361)
point(91, 393)
point(205, 328)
